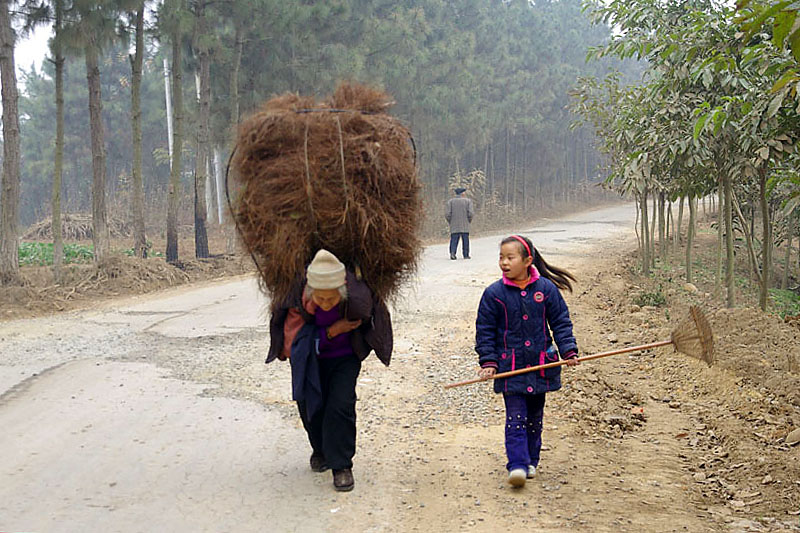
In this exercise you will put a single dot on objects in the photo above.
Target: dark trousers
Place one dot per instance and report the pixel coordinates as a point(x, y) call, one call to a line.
point(523, 429)
point(454, 243)
point(332, 429)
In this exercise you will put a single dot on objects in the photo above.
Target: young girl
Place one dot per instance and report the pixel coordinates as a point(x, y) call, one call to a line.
point(518, 318)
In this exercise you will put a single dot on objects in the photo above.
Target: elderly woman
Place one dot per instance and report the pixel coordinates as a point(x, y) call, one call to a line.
point(326, 328)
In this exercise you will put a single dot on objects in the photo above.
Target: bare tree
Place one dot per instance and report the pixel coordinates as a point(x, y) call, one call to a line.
point(139, 236)
point(176, 33)
point(203, 52)
point(9, 225)
point(58, 165)
point(100, 233)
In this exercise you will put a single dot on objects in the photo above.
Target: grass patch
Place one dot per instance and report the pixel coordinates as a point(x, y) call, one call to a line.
point(786, 302)
point(653, 299)
point(41, 253)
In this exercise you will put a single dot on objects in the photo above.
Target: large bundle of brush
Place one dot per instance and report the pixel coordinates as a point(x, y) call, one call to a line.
point(338, 174)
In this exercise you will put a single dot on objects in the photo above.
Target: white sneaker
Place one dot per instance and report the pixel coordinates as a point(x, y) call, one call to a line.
point(517, 477)
point(531, 471)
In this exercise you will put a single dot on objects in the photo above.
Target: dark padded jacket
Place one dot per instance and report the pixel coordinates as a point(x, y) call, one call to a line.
point(375, 332)
point(515, 329)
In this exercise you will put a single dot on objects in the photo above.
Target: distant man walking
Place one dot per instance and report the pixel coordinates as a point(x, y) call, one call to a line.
point(459, 214)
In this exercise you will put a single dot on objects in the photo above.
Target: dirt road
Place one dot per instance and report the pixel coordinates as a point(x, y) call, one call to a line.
point(158, 414)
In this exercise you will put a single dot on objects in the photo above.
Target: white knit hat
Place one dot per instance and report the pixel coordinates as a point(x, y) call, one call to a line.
point(325, 271)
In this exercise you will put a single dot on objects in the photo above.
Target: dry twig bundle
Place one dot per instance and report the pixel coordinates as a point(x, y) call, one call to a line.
point(75, 227)
point(339, 175)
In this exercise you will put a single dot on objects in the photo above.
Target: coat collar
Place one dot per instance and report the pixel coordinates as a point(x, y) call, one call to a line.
point(532, 273)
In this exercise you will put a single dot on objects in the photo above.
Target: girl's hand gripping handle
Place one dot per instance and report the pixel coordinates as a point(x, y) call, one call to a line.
point(487, 373)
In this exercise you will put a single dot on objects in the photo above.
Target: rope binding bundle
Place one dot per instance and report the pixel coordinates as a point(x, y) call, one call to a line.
point(338, 174)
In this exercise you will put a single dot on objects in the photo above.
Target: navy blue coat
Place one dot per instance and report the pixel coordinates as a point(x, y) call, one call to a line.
point(515, 329)
point(306, 383)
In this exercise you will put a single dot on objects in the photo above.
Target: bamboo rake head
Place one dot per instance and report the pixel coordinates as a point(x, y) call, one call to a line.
point(693, 336)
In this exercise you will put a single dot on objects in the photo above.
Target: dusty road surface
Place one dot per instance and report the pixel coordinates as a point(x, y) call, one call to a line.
point(158, 414)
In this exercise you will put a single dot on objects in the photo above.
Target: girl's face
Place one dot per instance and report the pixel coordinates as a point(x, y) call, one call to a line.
point(326, 299)
point(511, 262)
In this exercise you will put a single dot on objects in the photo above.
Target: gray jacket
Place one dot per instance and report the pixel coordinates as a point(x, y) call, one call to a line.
point(459, 214)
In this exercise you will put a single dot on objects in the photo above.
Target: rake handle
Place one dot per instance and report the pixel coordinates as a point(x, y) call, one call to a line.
point(560, 363)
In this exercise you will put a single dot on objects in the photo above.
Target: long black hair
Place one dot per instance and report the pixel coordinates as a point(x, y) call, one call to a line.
point(560, 277)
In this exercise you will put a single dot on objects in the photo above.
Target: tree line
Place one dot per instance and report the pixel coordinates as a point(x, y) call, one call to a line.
point(716, 117)
point(483, 84)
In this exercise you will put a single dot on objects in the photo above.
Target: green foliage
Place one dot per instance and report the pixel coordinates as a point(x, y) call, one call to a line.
point(718, 106)
point(37, 126)
point(482, 85)
point(41, 253)
point(786, 302)
point(654, 299)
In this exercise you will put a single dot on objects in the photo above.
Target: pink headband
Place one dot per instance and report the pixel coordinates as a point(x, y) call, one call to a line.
point(525, 244)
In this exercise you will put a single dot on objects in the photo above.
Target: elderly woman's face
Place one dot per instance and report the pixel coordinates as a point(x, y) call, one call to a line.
point(326, 299)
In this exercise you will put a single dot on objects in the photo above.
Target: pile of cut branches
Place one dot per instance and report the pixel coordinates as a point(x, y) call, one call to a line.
point(75, 227)
point(338, 174)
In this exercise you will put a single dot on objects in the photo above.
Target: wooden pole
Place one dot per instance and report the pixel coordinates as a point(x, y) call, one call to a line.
point(560, 363)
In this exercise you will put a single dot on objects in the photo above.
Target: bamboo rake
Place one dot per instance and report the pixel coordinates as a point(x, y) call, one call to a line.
point(559, 363)
point(692, 337)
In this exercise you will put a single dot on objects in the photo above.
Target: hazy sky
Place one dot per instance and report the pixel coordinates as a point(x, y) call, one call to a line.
point(32, 49)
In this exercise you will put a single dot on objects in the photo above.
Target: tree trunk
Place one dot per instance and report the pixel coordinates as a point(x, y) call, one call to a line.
point(720, 233)
point(230, 241)
point(653, 232)
point(486, 177)
point(211, 198)
point(748, 239)
point(585, 161)
point(9, 219)
point(669, 228)
point(168, 101)
point(645, 236)
point(524, 173)
point(514, 174)
point(490, 171)
point(200, 183)
point(139, 237)
point(662, 231)
point(234, 81)
point(766, 243)
point(58, 166)
point(508, 164)
point(203, 125)
point(219, 174)
point(636, 224)
point(680, 222)
point(100, 235)
point(787, 260)
point(173, 194)
point(729, 256)
point(690, 240)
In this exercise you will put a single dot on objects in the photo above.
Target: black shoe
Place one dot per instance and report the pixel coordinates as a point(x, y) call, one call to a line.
point(343, 480)
point(453, 256)
point(467, 257)
point(318, 463)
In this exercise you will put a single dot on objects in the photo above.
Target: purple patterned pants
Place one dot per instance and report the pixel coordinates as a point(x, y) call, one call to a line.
point(523, 429)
